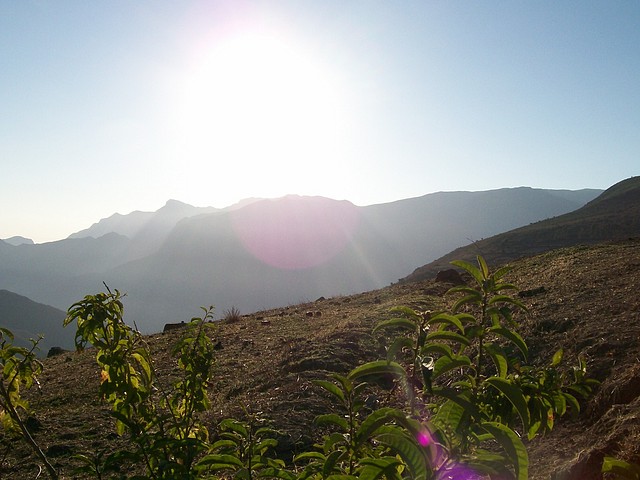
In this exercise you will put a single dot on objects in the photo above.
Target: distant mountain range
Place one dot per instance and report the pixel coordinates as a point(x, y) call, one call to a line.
point(614, 215)
point(264, 253)
point(17, 240)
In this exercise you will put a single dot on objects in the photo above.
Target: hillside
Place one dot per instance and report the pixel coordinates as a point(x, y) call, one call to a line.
point(28, 319)
point(614, 215)
point(585, 300)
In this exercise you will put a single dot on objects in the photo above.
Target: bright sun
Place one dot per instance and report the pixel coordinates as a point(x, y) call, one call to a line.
point(259, 109)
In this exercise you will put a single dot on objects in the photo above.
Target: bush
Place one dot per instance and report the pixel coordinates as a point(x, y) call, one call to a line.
point(232, 315)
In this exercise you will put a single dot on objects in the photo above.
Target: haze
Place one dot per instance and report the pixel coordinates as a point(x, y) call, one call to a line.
point(120, 106)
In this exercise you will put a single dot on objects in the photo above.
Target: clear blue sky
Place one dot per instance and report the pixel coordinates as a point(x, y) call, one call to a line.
point(118, 106)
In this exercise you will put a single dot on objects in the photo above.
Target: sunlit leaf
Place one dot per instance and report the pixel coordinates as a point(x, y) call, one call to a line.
point(376, 369)
point(513, 337)
point(470, 268)
point(512, 445)
point(446, 364)
point(515, 396)
point(499, 358)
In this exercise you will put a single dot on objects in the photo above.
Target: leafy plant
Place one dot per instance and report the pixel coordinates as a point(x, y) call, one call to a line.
point(382, 443)
point(162, 424)
point(244, 450)
point(465, 370)
point(621, 469)
point(20, 369)
point(232, 315)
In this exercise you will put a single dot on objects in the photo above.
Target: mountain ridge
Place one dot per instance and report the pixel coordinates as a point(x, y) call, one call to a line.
point(613, 215)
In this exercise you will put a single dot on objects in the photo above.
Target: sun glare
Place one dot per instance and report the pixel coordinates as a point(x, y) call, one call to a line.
point(255, 106)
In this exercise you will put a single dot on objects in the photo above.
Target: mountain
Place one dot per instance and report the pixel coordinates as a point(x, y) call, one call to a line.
point(146, 224)
point(614, 215)
point(17, 240)
point(292, 249)
point(28, 319)
point(263, 253)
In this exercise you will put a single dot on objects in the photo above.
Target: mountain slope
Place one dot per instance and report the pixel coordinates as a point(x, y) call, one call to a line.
point(28, 319)
point(614, 215)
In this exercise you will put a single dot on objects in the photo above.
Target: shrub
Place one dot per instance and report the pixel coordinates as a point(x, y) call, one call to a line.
point(232, 315)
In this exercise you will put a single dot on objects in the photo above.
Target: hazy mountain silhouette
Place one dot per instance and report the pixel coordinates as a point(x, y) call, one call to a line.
point(28, 319)
point(146, 230)
point(265, 253)
point(17, 240)
point(614, 215)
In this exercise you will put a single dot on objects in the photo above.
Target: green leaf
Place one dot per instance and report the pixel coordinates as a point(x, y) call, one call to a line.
point(507, 299)
point(216, 461)
point(560, 404)
point(447, 319)
point(397, 346)
point(461, 398)
point(235, 426)
point(512, 445)
point(499, 358)
point(376, 369)
point(370, 424)
point(470, 268)
point(309, 456)
point(620, 468)
point(501, 272)
point(515, 396)
point(440, 348)
point(396, 323)
point(331, 388)
point(557, 358)
point(449, 415)
point(447, 335)
point(407, 311)
point(446, 364)
point(483, 266)
point(330, 462)
point(375, 468)
point(409, 451)
point(332, 419)
point(475, 298)
point(572, 401)
point(513, 337)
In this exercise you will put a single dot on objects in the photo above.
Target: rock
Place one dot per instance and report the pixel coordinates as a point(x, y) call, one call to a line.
point(53, 351)
point(449, 276)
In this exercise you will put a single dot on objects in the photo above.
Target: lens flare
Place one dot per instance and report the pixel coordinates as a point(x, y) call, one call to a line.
point(296, 232)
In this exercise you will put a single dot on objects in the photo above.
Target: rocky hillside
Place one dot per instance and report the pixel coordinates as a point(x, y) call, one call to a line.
point(583, 299)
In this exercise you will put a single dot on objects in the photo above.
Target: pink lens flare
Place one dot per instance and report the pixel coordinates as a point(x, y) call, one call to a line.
point(295, 233)
point(424, 439)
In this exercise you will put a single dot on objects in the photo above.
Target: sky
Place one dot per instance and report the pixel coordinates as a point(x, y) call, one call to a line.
point(119, 106)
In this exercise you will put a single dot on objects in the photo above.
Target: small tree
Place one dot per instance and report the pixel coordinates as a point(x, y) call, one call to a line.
point(20, 369)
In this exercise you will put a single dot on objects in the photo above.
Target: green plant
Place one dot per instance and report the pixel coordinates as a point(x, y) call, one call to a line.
point(232, 315)
point(244, 450)
point(621, 469)
point(380, 443)
point(162, 423)
point(466, 372)
point(20, 369)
